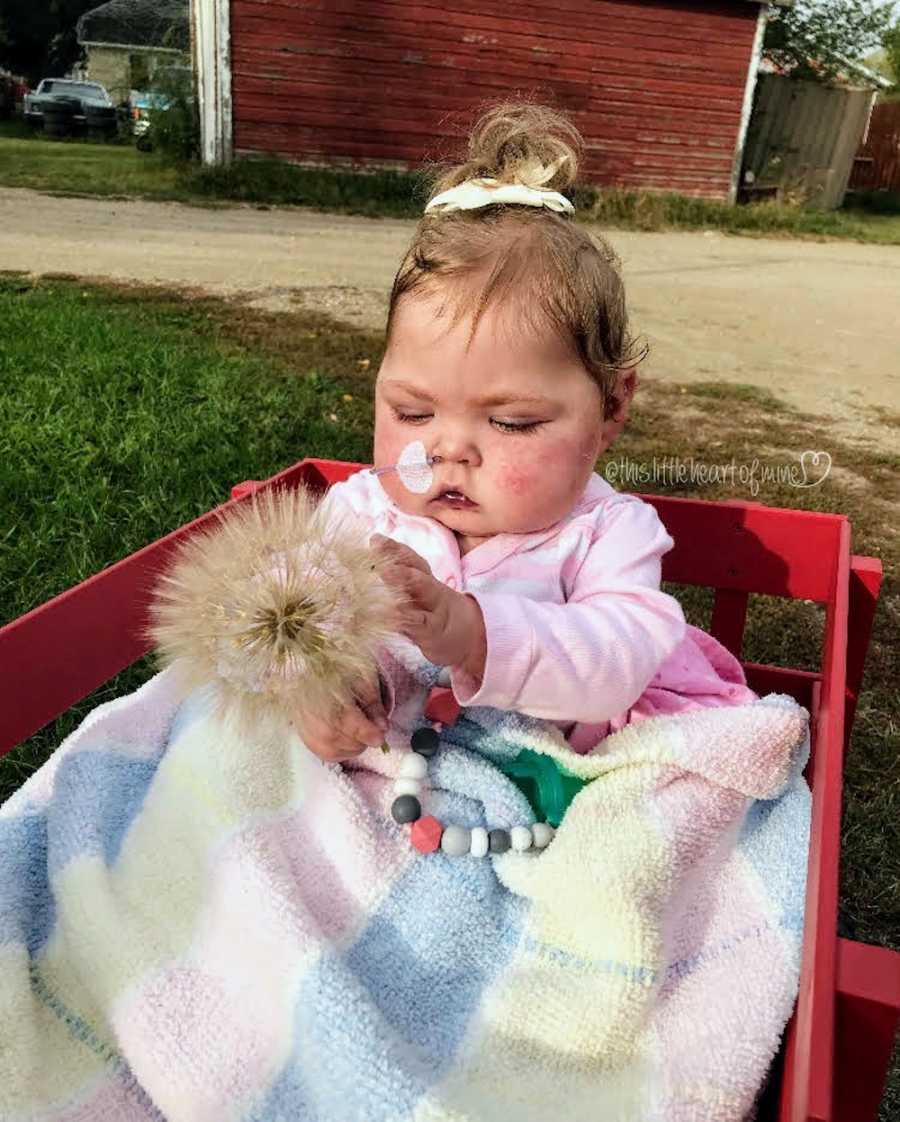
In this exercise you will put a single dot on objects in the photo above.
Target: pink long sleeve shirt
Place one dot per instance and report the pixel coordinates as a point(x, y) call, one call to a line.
point(578, 629)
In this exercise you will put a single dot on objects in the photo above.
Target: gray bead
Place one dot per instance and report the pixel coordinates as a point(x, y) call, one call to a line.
point(499, 841)
point(455, 841)
point(406, 808)
point(425, 741)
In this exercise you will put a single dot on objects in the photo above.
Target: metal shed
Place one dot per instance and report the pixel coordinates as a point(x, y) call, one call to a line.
point(660, 89)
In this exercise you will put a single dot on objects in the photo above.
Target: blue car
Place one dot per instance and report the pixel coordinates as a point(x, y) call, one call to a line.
point(168, 83)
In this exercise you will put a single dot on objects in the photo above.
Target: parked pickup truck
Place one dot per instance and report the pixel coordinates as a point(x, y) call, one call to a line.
point(79, 94)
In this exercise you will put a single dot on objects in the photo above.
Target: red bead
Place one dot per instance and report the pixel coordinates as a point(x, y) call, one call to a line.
point(426, 833)
point(442, 706)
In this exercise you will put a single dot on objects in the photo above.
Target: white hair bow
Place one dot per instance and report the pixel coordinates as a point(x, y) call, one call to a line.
point(486, 190)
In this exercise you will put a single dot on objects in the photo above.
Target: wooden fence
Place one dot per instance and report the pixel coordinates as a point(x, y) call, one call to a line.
point(802, 140)
point(877, 163)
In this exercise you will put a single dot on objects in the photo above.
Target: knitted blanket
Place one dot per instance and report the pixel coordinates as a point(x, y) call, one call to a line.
point(200, 928)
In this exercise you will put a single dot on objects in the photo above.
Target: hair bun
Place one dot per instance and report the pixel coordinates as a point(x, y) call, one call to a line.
point(520, 142)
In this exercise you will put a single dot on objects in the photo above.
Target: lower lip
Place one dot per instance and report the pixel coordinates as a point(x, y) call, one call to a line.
point(456, 504)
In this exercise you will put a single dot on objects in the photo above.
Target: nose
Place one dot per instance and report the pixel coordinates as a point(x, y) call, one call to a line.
point(455, 445)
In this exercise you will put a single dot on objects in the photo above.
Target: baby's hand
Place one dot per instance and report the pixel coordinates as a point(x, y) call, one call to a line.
point(446, 626)
point(347, 732)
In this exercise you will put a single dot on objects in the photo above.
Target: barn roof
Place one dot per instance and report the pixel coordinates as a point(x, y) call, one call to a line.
point(137, 23)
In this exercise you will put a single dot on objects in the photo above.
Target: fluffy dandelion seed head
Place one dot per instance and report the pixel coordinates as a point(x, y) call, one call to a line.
point(276, 606)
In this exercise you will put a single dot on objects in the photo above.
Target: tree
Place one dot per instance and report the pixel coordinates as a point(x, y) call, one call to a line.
point(37, 37)
point(815, 39)
point(890, 44)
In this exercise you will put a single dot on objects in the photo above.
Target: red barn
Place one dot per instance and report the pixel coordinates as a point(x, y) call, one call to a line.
point(661, 90)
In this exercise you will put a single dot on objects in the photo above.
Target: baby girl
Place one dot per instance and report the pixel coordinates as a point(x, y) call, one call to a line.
point(508, 371)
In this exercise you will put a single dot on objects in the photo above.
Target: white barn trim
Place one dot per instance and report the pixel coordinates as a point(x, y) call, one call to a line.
point(211, 40)
point(747, 109)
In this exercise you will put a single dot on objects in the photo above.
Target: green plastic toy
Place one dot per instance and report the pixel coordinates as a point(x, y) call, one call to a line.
point(548, 787)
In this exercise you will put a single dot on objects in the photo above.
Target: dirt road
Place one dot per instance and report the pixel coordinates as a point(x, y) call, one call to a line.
point(816, 323)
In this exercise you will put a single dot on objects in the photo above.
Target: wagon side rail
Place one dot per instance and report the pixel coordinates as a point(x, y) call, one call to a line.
point(809, 1094)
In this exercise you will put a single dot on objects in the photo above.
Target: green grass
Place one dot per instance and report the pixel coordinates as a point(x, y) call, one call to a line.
point(76, 167)
point(133, 416)
point(737, 391)
point(14, 128)
point(73, 166)
point(373, 194)
point(633, 210)
point(138, 410)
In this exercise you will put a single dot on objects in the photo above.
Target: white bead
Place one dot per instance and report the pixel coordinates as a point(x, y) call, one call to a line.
point(479, 846)
point(413, 766)
point(407, 787)
point(520, 837)
point(542, 832)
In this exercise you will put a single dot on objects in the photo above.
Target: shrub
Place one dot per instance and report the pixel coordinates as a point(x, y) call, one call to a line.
point(174, 120)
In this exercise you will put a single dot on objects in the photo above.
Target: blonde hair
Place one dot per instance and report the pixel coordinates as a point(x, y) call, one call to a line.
point(558, 273)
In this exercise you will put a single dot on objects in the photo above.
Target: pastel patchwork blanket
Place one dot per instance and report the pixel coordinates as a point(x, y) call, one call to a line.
point(200, 928)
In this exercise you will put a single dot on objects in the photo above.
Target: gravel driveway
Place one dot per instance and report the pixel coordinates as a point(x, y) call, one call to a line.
point(817, 323)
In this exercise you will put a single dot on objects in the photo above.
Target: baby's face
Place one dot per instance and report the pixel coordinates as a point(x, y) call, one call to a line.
point(516, 422)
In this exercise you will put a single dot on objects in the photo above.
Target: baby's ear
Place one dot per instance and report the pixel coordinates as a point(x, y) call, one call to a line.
point(626, 384)
point(628, 381)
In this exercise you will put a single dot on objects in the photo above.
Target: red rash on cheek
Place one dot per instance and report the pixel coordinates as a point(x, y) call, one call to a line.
point(524, 475)
point(516, 478)
point(531, 469)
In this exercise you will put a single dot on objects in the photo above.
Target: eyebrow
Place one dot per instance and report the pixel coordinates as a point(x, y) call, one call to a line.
point(500, 398)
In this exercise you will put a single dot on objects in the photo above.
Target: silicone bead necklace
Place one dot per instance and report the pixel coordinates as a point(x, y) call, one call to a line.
point(427, 834)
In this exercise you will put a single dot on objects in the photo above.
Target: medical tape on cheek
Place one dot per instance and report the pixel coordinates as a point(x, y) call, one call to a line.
point(414, 468)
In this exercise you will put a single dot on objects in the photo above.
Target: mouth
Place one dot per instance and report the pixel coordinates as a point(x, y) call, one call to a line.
point(454, 499)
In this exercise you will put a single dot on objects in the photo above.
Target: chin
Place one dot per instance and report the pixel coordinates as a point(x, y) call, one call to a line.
point(462, 521)
point(454, 517)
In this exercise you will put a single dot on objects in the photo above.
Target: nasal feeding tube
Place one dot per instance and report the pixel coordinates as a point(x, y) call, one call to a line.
point(413, 468)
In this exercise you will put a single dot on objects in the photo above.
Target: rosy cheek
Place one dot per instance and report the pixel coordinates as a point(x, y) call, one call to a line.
point(533, 466)
point(516, 478)
point(536, 470)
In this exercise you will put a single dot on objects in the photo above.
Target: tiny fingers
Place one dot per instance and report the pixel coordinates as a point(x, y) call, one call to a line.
point(327, 739)
point(401, 553)
point(361, 728)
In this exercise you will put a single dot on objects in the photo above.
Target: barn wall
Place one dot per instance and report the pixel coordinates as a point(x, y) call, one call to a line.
point(655, 86)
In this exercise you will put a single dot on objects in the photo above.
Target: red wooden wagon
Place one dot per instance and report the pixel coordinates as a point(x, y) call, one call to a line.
point(839, 1040)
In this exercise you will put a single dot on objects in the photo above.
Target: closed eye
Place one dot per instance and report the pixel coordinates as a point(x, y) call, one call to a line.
point(522, 426)
point(503, 426)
